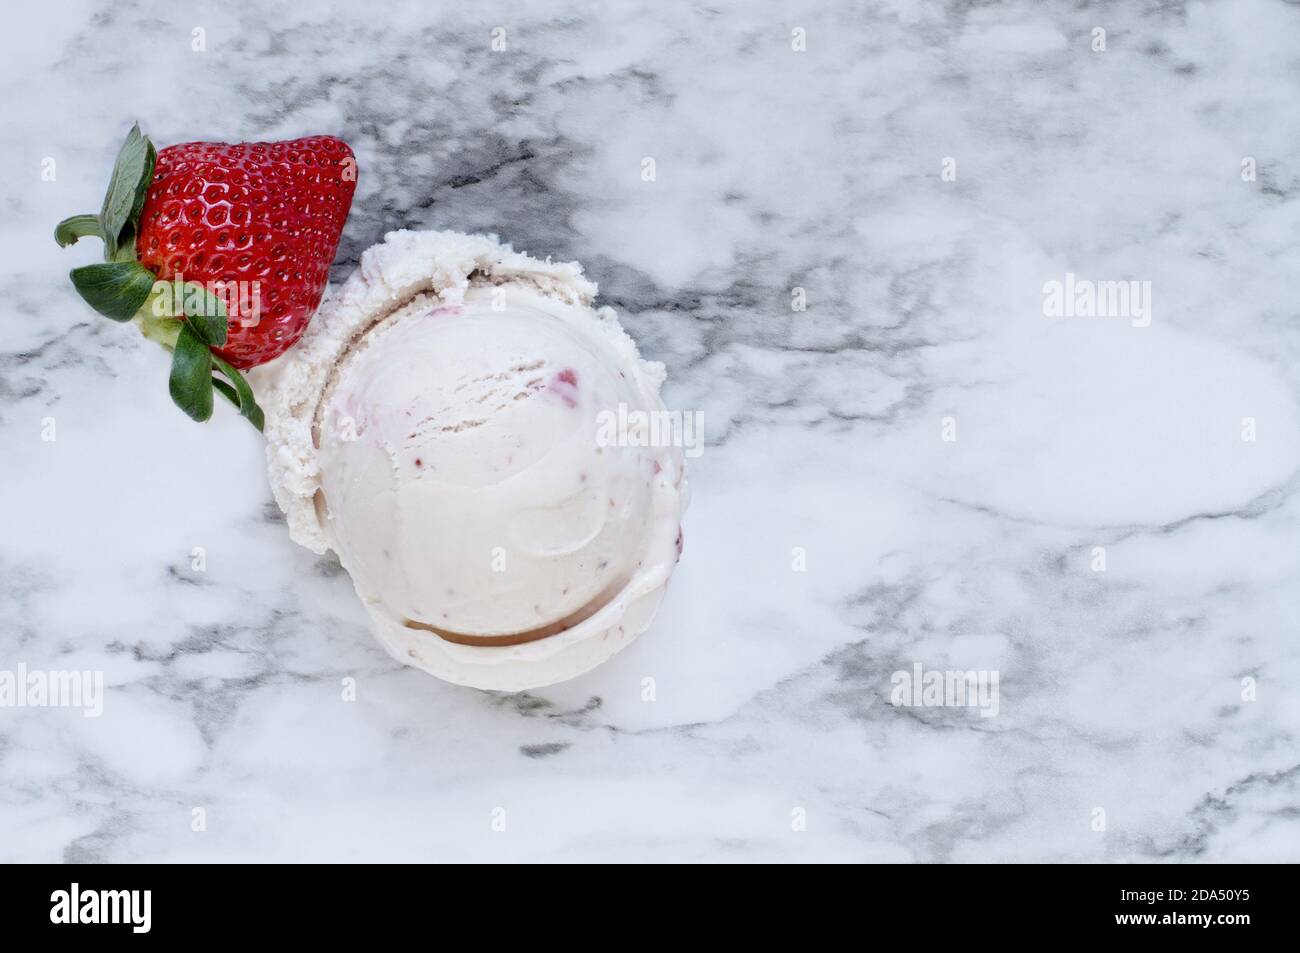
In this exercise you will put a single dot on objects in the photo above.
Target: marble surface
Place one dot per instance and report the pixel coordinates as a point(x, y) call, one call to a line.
point(1146, 712)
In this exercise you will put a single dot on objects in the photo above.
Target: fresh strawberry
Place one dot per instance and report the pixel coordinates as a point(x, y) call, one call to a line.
point(250, 229)
point(256, 211)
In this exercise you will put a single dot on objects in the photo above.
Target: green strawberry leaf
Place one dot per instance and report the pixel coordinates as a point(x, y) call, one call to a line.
point(192, 380)
point(141, 193)
point(132, 174)
point(190, 383)
point(226, 391)
point(240, 394)
point(204, 312)
point(116, 290)
point(125, 248)
point(78, 226)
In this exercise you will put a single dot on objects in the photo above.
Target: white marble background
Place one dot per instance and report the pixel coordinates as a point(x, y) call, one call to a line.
point(1120, 690)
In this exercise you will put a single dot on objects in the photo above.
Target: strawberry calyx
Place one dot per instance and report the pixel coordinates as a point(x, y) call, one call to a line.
point(184, 317)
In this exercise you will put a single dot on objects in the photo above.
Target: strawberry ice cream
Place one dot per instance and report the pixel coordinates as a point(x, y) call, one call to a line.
point(438, 428)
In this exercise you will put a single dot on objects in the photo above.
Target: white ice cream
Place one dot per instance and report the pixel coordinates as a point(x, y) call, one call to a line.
point(438, 426)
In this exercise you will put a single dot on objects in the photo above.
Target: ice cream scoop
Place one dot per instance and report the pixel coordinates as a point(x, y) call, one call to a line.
point(440, 428)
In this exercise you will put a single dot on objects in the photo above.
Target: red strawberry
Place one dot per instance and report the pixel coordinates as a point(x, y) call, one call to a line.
point(250, 228)
point(256, 211)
